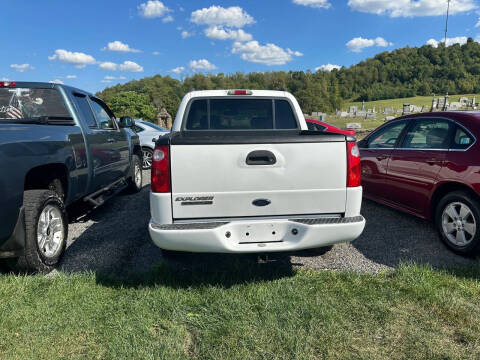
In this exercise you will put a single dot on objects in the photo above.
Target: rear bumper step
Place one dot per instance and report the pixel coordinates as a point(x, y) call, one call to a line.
point(256, 236)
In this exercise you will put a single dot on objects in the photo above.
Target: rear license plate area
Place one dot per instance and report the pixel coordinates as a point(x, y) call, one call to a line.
point(260, 234)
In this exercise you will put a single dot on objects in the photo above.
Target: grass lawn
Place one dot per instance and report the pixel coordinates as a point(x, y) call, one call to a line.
point(398, 103)
point(248, 311)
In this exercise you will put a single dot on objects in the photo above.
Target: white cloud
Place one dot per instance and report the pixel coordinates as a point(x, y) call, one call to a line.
point(153, 9)
point(56, 81)
point(358, 44)
point(108, 79)
point(185, 34)
point(167, 19)
point(4, 79)
point(156, 53)
point(324, 4)
point(219, 33)
point(178, 70)
point(294, 53)
point(22, 67)
point(108, 65)
point(79, 59)
point(130, 66)
point(71, 76)
point(450, 41)
point(411, 8)
point(233, 16)
point(478, 23)
point(120, 47)
point(127, 66)
point(269, 54)
point(202, 64)
point(328, 67)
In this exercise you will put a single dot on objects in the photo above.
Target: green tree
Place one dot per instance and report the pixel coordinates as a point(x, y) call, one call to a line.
point(131, 103)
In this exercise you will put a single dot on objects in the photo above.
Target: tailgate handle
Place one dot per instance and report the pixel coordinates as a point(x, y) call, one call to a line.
point(261, 157)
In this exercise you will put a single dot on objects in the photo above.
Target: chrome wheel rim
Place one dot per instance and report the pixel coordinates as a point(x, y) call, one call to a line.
point(138, 176)
point(50, 231)
point(459, 224)
point(147, 159)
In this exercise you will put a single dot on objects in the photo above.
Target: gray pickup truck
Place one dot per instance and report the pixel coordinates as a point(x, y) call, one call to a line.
point(58, 145)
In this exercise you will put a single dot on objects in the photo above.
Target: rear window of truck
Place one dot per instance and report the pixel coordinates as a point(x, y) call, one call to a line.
point(30, 103)
point(240, 114)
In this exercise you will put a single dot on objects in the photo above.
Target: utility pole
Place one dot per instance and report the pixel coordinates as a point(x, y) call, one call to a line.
point(446, 23)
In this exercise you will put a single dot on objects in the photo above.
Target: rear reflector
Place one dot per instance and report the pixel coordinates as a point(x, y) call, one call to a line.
point(240, 92)
point(354, 174)
point(160, 181)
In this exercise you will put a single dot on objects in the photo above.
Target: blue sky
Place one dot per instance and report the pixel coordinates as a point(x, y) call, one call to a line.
point(94, 44)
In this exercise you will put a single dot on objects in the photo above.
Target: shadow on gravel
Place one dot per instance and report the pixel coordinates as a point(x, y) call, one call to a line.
point(112, 238)
point(392, 237)
point(197, 270)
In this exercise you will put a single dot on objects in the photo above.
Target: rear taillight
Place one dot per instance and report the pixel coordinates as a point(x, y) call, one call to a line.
point(160, 181)
point(354, 177)
point(8, 84)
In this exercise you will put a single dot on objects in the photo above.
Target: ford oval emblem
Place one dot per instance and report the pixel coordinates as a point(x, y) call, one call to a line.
point(261, 202)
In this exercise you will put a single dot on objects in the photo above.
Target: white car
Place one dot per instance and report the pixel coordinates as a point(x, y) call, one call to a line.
point(148, 132)
point(241, 173)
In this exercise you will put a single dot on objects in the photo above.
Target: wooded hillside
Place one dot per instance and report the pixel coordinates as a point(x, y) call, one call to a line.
point(401, 73)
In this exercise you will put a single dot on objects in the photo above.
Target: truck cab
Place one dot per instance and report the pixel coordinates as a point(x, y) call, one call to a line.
point(58, 145)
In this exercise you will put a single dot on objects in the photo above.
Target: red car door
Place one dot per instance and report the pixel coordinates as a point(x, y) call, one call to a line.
point(414, 166)
point(375, 154)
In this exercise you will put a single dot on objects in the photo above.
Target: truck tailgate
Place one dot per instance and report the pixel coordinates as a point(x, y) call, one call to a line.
point(244, 180)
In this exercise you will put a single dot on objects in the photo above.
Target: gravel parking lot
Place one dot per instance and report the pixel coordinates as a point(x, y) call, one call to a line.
point(113, 239)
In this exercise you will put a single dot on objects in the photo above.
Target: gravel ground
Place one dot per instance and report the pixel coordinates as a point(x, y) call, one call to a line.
point(113, 239)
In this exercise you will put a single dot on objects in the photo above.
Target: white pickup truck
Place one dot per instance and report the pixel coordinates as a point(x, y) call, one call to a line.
point(241, 173)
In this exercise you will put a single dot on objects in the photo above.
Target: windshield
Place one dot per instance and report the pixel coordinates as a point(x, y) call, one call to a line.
point(27, 103)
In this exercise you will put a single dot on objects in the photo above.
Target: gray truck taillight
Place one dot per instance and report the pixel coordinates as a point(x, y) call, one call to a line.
point(160, 173)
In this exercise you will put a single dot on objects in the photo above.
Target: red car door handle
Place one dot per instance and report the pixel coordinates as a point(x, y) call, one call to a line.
point(433, 162)
point(381, 157)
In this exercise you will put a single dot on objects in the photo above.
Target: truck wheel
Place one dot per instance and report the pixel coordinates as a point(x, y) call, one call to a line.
point(46, 231)
point(147, 158)
point(136, 180)
point(457, 219)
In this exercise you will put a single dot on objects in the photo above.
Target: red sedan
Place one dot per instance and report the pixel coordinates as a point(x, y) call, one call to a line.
point(428, 165)
point(317, 125)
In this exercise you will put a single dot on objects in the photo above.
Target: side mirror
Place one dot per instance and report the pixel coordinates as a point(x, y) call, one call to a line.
point(126, 122)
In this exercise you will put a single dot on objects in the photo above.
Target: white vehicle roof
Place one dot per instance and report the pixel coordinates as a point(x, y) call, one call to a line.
point(261, 93)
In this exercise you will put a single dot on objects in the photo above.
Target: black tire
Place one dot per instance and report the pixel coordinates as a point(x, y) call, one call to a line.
point(133, 185)
point(34, 259)
point(56, 186)
point(147, 156)
point(456, 198)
